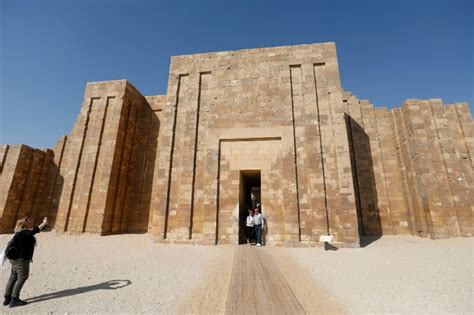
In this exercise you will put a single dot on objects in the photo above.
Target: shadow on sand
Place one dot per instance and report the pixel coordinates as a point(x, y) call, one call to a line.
point(109, 285)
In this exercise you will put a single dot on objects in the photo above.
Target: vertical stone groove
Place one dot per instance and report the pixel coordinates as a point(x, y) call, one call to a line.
point(356, 175)
point(218, 190)
point(294, 148)
point(23, 186)
point(463, 135)
point(360, 123)
point(128, 107)
point(99, 145)
point(53, 193)
point(74, 181)
point(196, 136)
point(424, 213)
point(4, 158)
point(332, 143)
point(441, 153)
point(146, 165)
point(122, 217)
point(384, 174)
point(404, 167)
point(168, 193)
point(321, 144)
point(43, 171)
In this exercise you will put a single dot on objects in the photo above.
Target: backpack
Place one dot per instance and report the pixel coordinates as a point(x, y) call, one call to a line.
point(10, 250)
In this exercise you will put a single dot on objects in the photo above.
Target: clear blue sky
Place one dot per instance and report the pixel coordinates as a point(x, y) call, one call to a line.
point(388, 50)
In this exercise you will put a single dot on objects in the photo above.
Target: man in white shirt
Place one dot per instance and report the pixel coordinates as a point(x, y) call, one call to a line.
point(259, 225)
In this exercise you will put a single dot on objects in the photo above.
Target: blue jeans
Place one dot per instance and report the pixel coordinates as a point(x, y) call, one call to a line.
point(258, 231)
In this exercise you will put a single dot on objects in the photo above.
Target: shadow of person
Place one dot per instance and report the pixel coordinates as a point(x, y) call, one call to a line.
point(109, 285)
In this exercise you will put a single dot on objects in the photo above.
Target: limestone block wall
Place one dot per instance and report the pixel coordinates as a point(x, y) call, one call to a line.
point(218, 103)
point(12, 183)
point(55, 181)
point(441, 146)
point(413, 167)
point(381, 189)
point(24, 184)
point(174, 164)
point(106, 155)
point(144, 151)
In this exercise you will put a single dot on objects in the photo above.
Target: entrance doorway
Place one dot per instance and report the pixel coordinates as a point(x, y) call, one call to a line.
point(250, 184)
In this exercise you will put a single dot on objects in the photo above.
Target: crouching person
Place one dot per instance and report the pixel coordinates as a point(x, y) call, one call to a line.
point(20, 255)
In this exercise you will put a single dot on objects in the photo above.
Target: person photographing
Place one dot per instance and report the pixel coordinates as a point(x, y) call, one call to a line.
point(23, 244)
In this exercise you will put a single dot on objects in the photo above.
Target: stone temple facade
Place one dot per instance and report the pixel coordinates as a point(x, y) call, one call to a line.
point(274, 121)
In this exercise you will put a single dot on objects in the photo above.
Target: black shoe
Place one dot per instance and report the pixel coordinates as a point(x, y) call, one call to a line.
point(17, 302)
point(7, 300)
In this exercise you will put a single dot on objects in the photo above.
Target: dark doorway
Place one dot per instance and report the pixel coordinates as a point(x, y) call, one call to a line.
point(249, 185)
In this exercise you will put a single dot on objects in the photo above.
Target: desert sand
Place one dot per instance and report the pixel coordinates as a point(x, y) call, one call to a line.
point(131, 274)
point(394, 274)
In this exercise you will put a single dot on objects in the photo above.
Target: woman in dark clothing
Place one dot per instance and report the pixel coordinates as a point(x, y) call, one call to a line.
point(25, 242)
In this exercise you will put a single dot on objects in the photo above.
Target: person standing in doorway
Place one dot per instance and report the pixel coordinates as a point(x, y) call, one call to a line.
point(250, 226)
point(259, 226)
point(25, 243)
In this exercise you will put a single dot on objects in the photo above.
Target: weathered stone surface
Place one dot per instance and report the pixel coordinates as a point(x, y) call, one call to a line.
point(180, 165)
point(23, 184)
point(106, 162)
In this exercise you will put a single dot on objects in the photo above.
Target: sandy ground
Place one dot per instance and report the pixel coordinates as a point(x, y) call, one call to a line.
point(131, 274)
point(123, 274)
point(313, 298)
point(394, 274)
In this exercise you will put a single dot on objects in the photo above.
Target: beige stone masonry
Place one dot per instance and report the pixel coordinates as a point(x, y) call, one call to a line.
point(179, 165)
